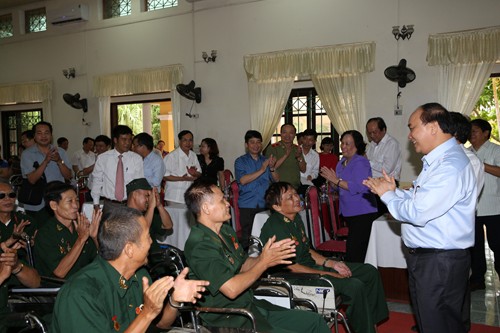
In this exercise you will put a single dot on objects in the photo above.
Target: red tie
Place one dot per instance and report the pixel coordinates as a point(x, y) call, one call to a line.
point(120, 181)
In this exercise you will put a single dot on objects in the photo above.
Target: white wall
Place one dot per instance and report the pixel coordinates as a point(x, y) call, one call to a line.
point(235, 28)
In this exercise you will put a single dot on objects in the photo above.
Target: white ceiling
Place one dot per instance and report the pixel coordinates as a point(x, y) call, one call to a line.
point(4, 4)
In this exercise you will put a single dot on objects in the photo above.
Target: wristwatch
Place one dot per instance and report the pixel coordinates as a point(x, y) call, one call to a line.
point(272, 169)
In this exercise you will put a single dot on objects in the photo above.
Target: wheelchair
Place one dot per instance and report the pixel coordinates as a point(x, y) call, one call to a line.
point(171, 261)
point(308, 286)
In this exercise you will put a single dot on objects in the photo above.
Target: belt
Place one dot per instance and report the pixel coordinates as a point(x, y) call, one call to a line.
point(124, 202)
point(421, 250)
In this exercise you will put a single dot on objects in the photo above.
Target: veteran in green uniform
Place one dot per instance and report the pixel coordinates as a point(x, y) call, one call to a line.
point(141, 196)
point(289, 159)
point(214, 254)
point(67, 241)
point(359, 284)
point(114, 293)
point(14, 271)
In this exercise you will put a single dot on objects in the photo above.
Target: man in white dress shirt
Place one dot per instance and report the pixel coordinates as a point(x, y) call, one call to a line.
point(311, 157)
point(105, 169)
point(83, 159)
point(383, 152)
point(488, 207)
point(182, 168)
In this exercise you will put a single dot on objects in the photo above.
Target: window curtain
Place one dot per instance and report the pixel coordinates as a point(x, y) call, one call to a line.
point(465, 60)
point(143, 81)
point(342, 67)
point(29, 92)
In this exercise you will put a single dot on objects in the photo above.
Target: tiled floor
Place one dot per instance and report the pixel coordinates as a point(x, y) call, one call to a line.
point(484, 303)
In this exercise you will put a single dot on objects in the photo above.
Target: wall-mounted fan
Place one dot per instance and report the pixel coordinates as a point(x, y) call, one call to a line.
point(189, 91)
point(400, 74)
point(75, 101)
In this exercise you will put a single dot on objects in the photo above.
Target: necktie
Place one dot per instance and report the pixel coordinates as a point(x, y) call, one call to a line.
point(120, 180)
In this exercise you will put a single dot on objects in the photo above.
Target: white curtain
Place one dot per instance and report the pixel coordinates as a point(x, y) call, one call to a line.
point(270, 78)
point(465, 61)
point(105, 115)
point(141, 81)
point(29, 92)
point(342, 98)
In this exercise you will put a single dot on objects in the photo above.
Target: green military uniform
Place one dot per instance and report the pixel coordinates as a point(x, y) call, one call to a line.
point(157, 231)
point(363, 291)
point(53, 243)
point(98, 299)
point(289, 171)
point(5, 233)
point(218, 259)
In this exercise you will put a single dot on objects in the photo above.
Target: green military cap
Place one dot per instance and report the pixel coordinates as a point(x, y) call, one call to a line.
point(138, 184)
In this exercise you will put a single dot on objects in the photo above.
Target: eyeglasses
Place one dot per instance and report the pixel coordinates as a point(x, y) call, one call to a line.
point(10, 195)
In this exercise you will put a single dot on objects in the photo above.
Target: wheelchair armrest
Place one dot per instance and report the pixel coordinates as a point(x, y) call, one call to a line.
point(299, 276)
point(53, 280)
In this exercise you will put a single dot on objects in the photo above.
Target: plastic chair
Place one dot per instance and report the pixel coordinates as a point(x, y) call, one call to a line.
point(319, 236)
point(339, 231)
point(228, 176)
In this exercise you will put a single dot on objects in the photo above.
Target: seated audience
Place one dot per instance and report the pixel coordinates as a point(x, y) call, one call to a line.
point(254, 172)
point(360, 284)
point(214, 254)
point(14, 268)
point(182, 168)
point(142, 197)
point(115, 293)
point(67, 241)
point(357, 204)
point(212, 165)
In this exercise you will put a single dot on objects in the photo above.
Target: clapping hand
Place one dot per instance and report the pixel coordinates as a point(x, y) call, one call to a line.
point(188, 290)
point(276, 253)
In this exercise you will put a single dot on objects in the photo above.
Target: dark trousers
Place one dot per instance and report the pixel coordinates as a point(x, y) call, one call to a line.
point(438, 284)
point(360, 228)
point(246, 221)
point(492, 224)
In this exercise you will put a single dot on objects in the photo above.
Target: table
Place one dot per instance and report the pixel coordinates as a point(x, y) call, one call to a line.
point(182, 220)
point(385, 247)
point(387, 252)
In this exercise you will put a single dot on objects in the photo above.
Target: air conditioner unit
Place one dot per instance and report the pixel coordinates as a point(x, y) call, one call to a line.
point(69, 14)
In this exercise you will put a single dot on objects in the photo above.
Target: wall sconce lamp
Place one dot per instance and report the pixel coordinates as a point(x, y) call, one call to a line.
point(212, 57)
point(69, 73)
point(406, 31)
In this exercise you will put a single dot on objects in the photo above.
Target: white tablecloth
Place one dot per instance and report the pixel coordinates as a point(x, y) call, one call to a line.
point(385, 248)
point(182, 220)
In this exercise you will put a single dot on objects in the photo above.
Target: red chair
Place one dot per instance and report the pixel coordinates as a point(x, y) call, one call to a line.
point(339, 231)
point(233, 200)
point(228, 177)
point(318, 234)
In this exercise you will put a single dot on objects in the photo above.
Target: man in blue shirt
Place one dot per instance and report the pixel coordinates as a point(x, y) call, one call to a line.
point(254, 172)
point(154, 168)
point(439, 221)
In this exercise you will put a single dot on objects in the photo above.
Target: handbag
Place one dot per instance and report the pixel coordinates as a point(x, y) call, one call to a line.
point(32, 194)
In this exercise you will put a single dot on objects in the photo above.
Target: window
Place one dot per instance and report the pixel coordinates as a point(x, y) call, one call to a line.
point(6, 27)
point(160, 4)
point(304, 110)
point(14, 123)
point(35, 20)
point(151, 116)
point(117, 8)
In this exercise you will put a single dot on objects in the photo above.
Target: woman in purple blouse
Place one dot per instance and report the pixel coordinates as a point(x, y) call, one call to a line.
point(357, 204)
